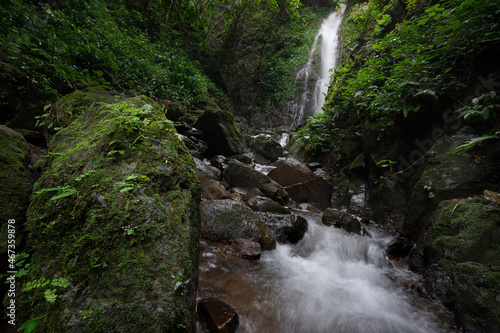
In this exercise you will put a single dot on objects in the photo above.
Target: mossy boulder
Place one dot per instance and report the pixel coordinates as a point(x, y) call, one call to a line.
point(263, 204)
point(221, 132)
point(16, 185)
point(227, 220)
point(266, 146)
point(463, 250)
point(113, 222)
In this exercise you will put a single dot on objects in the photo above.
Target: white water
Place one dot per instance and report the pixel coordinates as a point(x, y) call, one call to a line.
point(330, 32)
point(311, 102)
point(331, 281)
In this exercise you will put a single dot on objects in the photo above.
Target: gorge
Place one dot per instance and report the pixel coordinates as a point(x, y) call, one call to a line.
point(198, 166)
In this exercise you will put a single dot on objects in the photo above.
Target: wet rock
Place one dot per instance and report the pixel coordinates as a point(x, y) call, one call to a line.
point(263, 204)
point(226, 220)
point(243, 158)
point(255, 192)
point(213, 190)
point(218, 316)
point(240, 175)
point(349, 223)
point(463, 245)
point(219, 162)
point(221, 133)
point(290, 172)
point(206, 171)
point(287, 228)
point(266, 146)
point(316, 192)
point(399, 248)
point(145, 202)
point(197, 148)
point(245, 248)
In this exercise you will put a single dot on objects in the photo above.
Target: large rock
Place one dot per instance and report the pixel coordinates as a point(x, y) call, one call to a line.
point(267, 147)
point(16, 185)
point(226, 220)
point(113, 223)
point(287, 228)
point(213, 190)
point(339, 219)
point(221, 132)
point(238, 174)
point(290, 172)
point(461, 261)
point(218, 316)
point(316, 192)
point(446, 176)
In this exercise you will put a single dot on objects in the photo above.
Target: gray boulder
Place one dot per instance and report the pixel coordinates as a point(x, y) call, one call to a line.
point(266, 146)
point(225, 220)
point(263, 204)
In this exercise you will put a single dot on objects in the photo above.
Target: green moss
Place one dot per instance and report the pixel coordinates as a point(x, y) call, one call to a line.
point(128, 222)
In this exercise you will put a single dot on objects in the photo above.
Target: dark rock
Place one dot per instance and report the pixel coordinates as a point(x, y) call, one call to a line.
point(221, 133)
point(461, 261)
point(243, 158)
point(263, 204)
point(349, 223)
point(240, 175)
point(213, 190)
point(245, 248)
point(219, 162)
point(197, 148)
point(287, 228)
point(218, 316)
point(127, 221)
point(399, 248)
point(316, 192)
point(266, 146)
point(290, 172)
point(446, 176)
point(226, 220)
point(206, 171)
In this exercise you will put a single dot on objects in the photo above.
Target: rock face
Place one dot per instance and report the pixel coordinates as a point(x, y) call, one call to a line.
point(226, 220)
point(462, 257)
point(267, 147)
point(240, 175)
point(114, 216)
point(16, 185)
point(221, 132)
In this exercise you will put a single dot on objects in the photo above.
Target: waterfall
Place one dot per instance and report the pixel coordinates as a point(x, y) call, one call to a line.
point(311, 85)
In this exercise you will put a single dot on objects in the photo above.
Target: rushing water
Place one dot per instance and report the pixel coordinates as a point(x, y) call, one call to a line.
point(312, 87)
point(331, 281)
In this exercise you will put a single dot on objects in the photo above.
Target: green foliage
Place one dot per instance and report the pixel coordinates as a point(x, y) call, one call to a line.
point(99, 43)
point(400, 72)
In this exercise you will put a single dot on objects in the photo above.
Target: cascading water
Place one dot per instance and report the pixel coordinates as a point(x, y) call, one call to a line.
point(331, 281)
point(311, 86)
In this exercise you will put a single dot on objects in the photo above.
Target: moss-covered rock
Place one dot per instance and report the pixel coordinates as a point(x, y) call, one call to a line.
point(266, 146)
point(227, 220)
point(462, 253)
point(221, 132)
point(113, 222)
point(16, 185)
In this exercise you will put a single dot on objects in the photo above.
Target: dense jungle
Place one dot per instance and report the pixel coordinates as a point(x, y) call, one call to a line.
point(250, 166)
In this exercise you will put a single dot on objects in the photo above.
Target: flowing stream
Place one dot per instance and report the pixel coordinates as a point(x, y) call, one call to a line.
point(311, 85)
point(331, 281)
